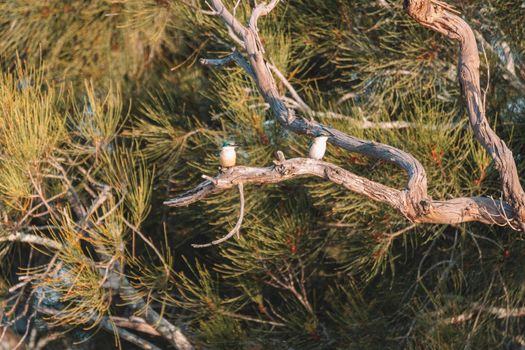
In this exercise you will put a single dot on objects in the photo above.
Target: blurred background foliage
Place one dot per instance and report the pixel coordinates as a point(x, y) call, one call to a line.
point(105, 113)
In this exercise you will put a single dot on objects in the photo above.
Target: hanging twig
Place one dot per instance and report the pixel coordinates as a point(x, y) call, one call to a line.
point(235, 230)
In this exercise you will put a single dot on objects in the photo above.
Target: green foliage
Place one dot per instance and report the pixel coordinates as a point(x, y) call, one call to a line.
point(105, 113)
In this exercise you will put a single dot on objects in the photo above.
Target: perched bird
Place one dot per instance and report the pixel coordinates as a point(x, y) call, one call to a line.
point(318, 148)
point(228, 155)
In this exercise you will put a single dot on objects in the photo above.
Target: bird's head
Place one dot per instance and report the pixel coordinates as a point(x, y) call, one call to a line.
point(229, 144)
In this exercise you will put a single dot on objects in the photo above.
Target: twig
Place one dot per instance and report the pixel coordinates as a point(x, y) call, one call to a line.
point(497, 312)
point(290, 88)
point(251, 319)
point(32, 239)
point(113, 325)
point(235, 230)
point(235, 56)
point(128, 336)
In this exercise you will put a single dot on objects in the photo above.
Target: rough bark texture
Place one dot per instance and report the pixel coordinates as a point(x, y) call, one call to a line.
point(453, 211)
point(438, 16)
point(416, 193)
point(413, 202)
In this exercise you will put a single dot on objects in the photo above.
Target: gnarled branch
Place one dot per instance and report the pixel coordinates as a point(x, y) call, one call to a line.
point(412, 202)
point(416, 192)
point(454, 211)
point(440, 17)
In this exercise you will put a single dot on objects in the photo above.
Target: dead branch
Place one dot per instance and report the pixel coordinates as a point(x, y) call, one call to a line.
point(9, 340)
point(299, 103)
point(235, 56)
point(169, 331)
point(128, 336)
point(438, 16)
point(117, 325)
point(497, 312)
point(235, 230)
point(412, 202)
point(416, 192)
point(32, 239)
point(453, 211)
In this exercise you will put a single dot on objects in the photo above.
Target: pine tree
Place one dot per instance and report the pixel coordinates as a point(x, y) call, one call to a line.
point(112, 112)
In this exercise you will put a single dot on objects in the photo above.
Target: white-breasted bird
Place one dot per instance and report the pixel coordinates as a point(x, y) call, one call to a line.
point(228, 155)
point(318, 148)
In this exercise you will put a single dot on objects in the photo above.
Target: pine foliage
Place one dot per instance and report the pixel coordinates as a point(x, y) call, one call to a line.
point(105, 113)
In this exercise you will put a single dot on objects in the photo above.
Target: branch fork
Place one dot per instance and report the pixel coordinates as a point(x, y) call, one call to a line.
point(413, 202)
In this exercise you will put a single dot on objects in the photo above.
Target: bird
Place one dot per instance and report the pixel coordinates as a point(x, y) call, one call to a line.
point(318, 148)
point(228, 155)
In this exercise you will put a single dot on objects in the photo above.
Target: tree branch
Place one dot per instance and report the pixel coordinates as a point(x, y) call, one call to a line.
point(413, 202)
point(440, 17)
point(32, 239)
point(415, 194)
point(497, 312)
point(454, 211)
point(233, 57)
point(235, 230)
point(169, 331)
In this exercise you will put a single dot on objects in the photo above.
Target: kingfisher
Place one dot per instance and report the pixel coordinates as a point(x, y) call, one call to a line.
point(318, 148)
point(228, 155)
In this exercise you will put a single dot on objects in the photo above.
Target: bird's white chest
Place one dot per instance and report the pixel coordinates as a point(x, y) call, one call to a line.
point(317, 150)
point(228, 157)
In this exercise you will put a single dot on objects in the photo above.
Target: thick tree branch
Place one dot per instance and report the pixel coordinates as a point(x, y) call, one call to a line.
point(454, 211)
point(439, 16)
point(413, 202)
point(415, 194)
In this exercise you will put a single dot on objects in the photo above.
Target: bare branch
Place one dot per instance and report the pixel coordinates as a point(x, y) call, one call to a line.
point(114, 324)
point(235, 230)
point(227, 16)
point(454, 211)
point(441, 17)
point(300, 102)
point(261, 10)
point(233, 57)
point(416, 192)
point(127, 335)
point(32, 239)
point(9, 340)
point(497, 312)
point(413, 202)
point(135, 323)
point(169, 331)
